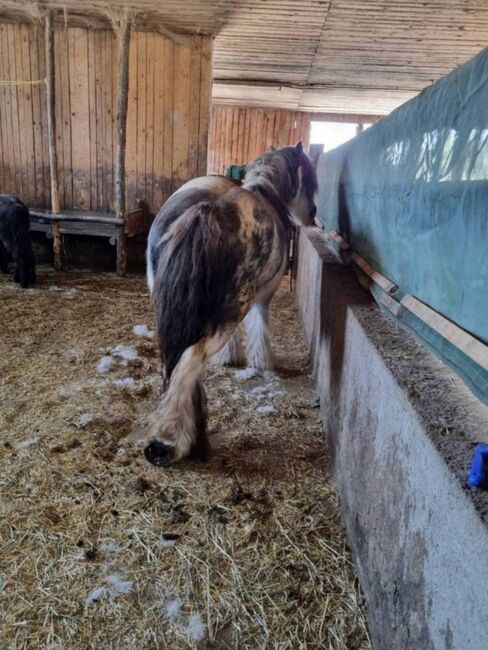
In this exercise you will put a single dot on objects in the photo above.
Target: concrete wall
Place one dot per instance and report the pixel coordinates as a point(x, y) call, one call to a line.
point(401, 430)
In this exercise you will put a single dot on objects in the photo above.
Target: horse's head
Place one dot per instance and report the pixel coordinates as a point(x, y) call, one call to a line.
point(289, 174)
point(302, 206)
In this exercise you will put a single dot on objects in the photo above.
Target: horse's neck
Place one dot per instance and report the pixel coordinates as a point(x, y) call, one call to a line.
point(265, 190)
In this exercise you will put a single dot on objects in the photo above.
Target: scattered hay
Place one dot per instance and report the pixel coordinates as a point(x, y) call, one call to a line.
point(100, 550)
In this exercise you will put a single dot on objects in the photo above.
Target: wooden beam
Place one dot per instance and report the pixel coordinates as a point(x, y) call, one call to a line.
point(51, 129)
point(179, 39)
point(124, 33)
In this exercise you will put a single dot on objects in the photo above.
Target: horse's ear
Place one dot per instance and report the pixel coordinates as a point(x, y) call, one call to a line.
point(299, 147)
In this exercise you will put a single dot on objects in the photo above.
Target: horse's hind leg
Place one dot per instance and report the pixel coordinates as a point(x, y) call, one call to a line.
point(258, 346)
point(178, 425)
point(3, 259)
point(232, 353)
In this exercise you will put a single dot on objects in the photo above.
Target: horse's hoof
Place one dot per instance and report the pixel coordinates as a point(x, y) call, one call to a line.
point(158, 453)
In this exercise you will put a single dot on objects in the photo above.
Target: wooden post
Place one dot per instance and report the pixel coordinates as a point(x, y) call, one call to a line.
point(122, 102)
point(51, 128)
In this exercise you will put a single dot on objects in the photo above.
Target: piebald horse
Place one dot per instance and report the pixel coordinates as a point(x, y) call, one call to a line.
point(216, 255)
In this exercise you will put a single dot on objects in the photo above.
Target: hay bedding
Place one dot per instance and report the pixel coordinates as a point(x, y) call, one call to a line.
point(101, 550)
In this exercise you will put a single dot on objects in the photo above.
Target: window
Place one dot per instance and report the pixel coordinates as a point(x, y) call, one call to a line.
point(332, 134)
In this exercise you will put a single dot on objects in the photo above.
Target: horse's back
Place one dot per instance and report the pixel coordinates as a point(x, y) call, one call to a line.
point(237, 211)
point(14, 217)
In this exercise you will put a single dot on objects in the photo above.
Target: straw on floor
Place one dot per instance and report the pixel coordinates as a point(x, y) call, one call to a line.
point(100, 550)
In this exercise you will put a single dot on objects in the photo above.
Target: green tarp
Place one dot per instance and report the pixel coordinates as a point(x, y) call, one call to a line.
point(411, 196)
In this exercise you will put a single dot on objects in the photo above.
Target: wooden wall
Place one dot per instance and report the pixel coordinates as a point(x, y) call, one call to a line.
point(238, 135)
point(168, 116)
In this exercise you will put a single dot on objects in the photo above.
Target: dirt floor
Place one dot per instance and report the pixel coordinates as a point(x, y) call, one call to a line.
point(98, 549)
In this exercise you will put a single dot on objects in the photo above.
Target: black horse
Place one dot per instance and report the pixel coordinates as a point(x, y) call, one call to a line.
point(15, 237)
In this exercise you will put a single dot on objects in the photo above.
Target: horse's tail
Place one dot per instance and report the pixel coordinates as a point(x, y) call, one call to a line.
point(185, 293)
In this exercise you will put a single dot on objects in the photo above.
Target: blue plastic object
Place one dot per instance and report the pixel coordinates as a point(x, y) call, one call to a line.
point(478, 475)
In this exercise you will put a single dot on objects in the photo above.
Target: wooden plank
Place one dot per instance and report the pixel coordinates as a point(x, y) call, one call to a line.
point(270, 129)
point(141, 115)
point(181, 116)
point(253, 129)
point(73, 215)
point(235, 134)
point(222, 125)
point(124, 37)
point(51, 122)
point(215, 141)
point(150, 117)
point(36, 117)
point(194, 113)
point(260, 145)
point(169, 107)
point(212, 140)
point(14, 111)
point(93, 64)
point(468, 344)
point(132, 104)
point(240, 157)
point(158, 131)
point(114, 60)
point(28, 117)
point(379, 279)
point(5, 131)
point(64, 99)
point(58, 107)
point(46, 194)
point(80, 118)
point(343, 244)
point(101, 130)
point(22, 132)
point(51, 129)
point(3, 171)
point(108, 115)
point(205, 104)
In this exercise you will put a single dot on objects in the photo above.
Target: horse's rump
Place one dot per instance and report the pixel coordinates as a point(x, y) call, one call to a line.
point(196, 285)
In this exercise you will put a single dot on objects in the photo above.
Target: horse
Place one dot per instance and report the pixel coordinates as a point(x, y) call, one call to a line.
point(15, 238)
point(216, 254)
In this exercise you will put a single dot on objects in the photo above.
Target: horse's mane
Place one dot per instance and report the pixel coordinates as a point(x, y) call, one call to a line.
point(274, 177)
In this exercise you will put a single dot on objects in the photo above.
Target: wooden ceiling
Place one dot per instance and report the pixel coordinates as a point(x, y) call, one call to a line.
point(351, 56)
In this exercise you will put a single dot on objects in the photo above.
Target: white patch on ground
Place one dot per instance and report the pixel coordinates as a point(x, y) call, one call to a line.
point(195, 628)
point(164, 543)
point(95, 595)
point(125, 352)
point(266, 392)
point(69, 390)
point(191, 624)
point(109, 548)
point(118, 356)
point(114, 585)
point(71, 292)
point(72, 354)
point(173, 609)
point(266, 410)
point(247, 373)
point(118, 586)
point(53, 287)
point(128, 382)
point(29, 442)
point(142, 331)
point(86, 419)
point(105, 364)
